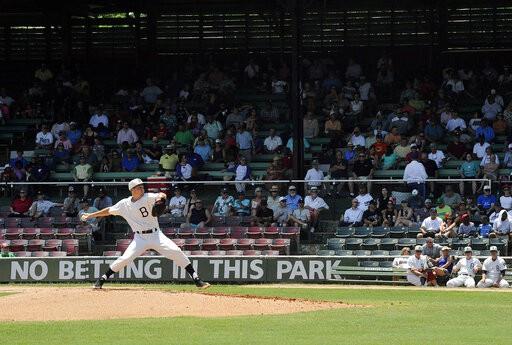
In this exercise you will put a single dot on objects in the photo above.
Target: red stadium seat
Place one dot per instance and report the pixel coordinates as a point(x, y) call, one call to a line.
point(233, 221)
point(210, 244)
point(180, 242)
point(112, 253)
point(185, 233)
point(255, 232)
point(262, 244)
point(23, 254)
point(244, 243)
point(35, 245)
point(29, 233)
point(234, 253)
point(270, 252)
point(12, 222)
point(70, 246)
point(282, 245)
point(64, 233)
point(60, 222)
point(57, 253)
point(192, 244)
point(238, 231)
point(251, 252)
point(271, 232)
point(40, 254)
point(81, 232)
point(46, 233)
point(221, 232)
point(73, 221)
point(202, 233)
point(44, 222)
point(217, 253)
point(18, 245)
point(13, 233)
point(169, 232)
point(52, 245)
point(227, 244)
point(122, 244)
point(199, 253)
point(27, 223)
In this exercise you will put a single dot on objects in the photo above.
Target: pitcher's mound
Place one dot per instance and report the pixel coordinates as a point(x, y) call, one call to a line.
point(69, 303)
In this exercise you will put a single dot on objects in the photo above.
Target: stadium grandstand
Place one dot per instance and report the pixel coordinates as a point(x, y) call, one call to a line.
point(350, 129)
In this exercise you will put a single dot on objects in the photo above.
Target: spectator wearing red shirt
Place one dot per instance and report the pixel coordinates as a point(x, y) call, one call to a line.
point(457, 149)
point(21, 205)
point(380, 146)
point(414, 151)
point(162, 131)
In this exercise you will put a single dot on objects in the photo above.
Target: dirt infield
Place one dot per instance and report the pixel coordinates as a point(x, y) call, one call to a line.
point(78, 303)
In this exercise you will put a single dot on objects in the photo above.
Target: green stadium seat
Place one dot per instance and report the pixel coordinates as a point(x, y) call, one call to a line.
point(395, 253)
point(459, 244)
point(380, 253)
point(345, 232)
point(386, 264)
point(369, 264)
point(335, 243)
point(380, 231)
point(362, 252)
point(370, 244)
point(406, 242)
point(344, 252)
point(479, 243)
point(388, 243)
point(413, 230)
point(362, 232)
point(397, 232)
point(326, 252)
point(353, 243)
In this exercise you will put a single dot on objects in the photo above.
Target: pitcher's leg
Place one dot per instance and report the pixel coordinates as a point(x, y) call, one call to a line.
point(135, 249)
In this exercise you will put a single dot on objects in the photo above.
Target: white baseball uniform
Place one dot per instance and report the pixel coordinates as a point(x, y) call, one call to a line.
point(466, 273)
point(493, 270)
point(138, 215)
point(420, 264)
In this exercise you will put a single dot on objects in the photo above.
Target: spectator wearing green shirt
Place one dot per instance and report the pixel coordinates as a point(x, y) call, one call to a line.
point(469, 169)
point(442, 209)
point(184, 136)
point(5, 253)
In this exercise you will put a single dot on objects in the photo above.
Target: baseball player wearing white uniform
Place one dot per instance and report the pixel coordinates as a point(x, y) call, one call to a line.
point(466, 268)
point(417, 263)
point(136, 209)
point(493, 271)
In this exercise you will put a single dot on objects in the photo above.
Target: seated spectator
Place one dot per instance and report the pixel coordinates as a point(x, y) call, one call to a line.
point(339, 171)
point(19, 158)
point(434, 132)
point(393, 137)
point(430, 249)
point(273, 142)
point(372, 216)
point(269, 113)
point(443, 209)
point(289, 144)
point(99, 116)
point(494, 212)
point(41, 207)
point(203, 149)
point(506, 198)
point(436, 155)
point(102, 200)
point(300, 216)
point(401, 261)
point(456, 149)
point(332, 127)
point(480, 148)
point(443, 266)
point(126, 134)
point(62, 139)
point(507, 160)
point(184, 136)
point(485, 131)
point(177, 204)
point(183, 169)
point(93, 222)
point(379, 146)
point(500, 126)
point(151, 92)
point(466, 227)
point(404, 215)
point(235, 118)
point(501, 227)
point(310, 126)
point(44, 139)
point(491, 108)
point(115, 162)
point(490, 166)
point(487, 200)
point(282, 213)
point(223, 203)
point(485, 228)
point(357, 138)
point(71, 203)
point(82, 172)
point(389, 214)
point(363, 170)
point(20, 206)
point(212, 127)
point(169, 159)
point(389, 159)
point(197, 216)
point(273, 198)
point(255, 202)
point(431, 225)
point(352, 216)
point(469, 170)
point(275, 170)
point(448, 227)
point(315, 205)
point(241, 206)
point(314, 174)
point(292, 198)
point(264, 215)
point(450, 198)
point(455, 123)
point(417, 267)
point(244, 142)
point(61, 156)
point(38, 171)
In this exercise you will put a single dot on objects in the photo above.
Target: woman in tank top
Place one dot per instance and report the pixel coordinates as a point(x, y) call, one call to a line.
point(389, 214)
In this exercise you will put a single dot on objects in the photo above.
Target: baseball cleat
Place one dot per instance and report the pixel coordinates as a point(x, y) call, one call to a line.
point(99, 284)
point(201, 284)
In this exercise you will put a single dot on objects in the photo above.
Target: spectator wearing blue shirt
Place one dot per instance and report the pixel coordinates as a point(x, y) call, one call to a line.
point(19, 158)
point(244, 142)
point(485, 131)
point(130, 161)
point(242, 206)
point(203, 149)
point(74, 133)
point(289, 144)
point(485, 227)
point(486, 200)
point(350, 154)
point(434, 132)
point(292, 199)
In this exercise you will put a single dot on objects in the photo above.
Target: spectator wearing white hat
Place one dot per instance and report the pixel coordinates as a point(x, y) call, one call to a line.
point(282, 213)
point(315, 205)
point(417, 268)
point(493, 271)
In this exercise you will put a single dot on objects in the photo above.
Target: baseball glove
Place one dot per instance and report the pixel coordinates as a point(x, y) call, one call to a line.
point(158, 208)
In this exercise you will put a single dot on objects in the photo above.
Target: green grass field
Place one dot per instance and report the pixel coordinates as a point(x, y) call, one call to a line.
point(397, 316)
